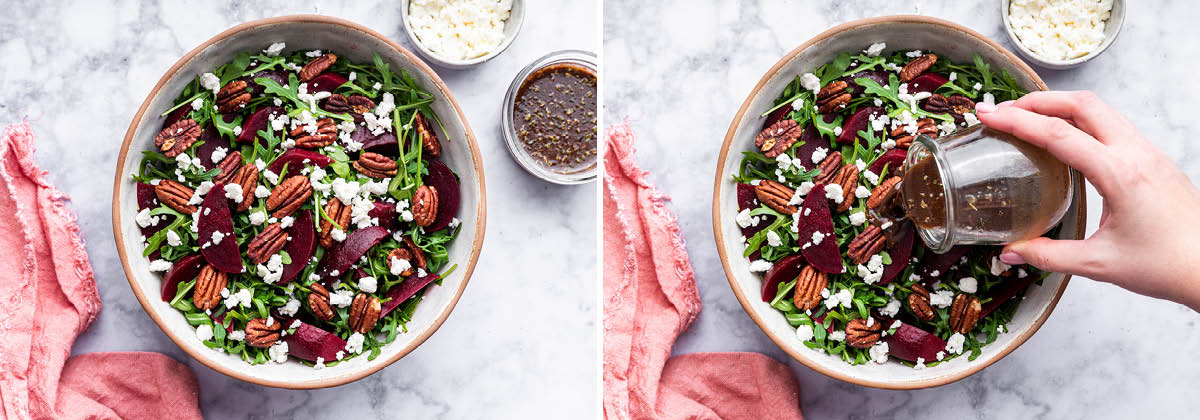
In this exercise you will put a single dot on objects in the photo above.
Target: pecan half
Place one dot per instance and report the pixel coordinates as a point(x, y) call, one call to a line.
point(361, 104)
point(904, 138)
point(266, 243)
point(866, 244)
point(288, 196)
point(318, 302)
point(233, 96)
point(176, 138)
point(375, 165)
point(809, 285)
point(777, 138)
point(964, 313)
point(417, 253)
point(429, 139)
point(337, 104)
point(325, 134)
point(918, 302)
point(263, 332)
point(402, 254)
point(340, 213)
point(207, 292)
point(847, 178)
point(229, 167)
point(175, 195)
point(364, 313)
point(861, 335)
point(916, 67)
point(833, 97)
point(937, 104)
point(775, 196)
point(317, 66)
point(425, 205)
point(829, 168)
point(961, 104)
point(247, 178)
point(884, 195)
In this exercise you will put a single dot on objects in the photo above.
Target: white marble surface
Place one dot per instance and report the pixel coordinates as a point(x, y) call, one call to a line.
point(521, 342)
point(678, 70)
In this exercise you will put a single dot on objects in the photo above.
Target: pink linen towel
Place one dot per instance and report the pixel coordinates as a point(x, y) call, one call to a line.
point(48, 297)
point(650, 297)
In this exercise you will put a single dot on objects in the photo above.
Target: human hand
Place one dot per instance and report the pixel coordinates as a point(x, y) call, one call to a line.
point(1149, 228)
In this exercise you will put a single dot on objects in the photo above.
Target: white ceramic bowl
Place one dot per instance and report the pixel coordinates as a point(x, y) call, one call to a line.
point(353, 42)
point(1112, 28)
point(512, 26)
point(950, 41)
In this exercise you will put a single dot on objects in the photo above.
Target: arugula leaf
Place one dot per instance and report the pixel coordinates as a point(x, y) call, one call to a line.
point(835, 69)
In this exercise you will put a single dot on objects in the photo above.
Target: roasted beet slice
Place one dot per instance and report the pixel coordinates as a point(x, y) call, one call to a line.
point(257, 122)
point(183, 270)
point(927, 82)
point(215, 220)
point(786, 269)
point(384, 143)
point(812, 141)
point(386, 213)
point(879, 76)
point(310, 342)
point(443, 179)
point(343, 254)
point(900, 252)
point(934, 265)
point(894, 159)
point(147, 200)
point(405, 290)
point(212, 140)
point(859, 121)
point(302, 243)
point(910, 343)
point(326, 82)
point(747, 200)
point(279, 76)
point(814, 218)
point(1006, 291)
point(297, 158)
point(218, 319)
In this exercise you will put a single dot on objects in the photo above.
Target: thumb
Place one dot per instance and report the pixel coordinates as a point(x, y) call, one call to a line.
point(1060, 256)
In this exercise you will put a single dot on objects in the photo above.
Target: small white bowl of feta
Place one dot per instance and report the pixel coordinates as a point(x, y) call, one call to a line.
point(1062, 34)
point(458, 34)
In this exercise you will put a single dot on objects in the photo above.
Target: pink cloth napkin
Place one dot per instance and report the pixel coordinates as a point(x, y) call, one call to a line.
point(650, 297)
point(48, 297)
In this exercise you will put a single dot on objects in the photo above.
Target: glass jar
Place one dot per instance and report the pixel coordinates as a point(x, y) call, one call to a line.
point(582, 60)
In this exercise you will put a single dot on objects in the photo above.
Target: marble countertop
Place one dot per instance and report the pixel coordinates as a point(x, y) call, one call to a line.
point(79, 70)
point(678, 70)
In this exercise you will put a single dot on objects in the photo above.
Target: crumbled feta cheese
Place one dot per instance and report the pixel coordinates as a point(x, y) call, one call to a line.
point(1060, 29)
point(998, 267)
point(341, 298)
point(941, 355)
point(797, 104)
point(879, 352)
point(817, 237)
point(355, 343)
point(862, 192)
point(955, 343)
point(279, 352)
point(242, 298)
point(237, 335)
point(459, 30)
point(811, 82)
point(953, 76)
point(871, 177)
point(941, 298)
point(258, 217)
point(338, 235)
point(804, 332)
point(971, 119)
point(773, 238)
point(834, 192)
point(838, 335)
point(819, 154)
point(398, 266)
point(745, 220)
point(920, 364)
point(160, 265)
point(914, 54)
point(290, 308)
point(368, 284)
point(345, 191)
point(204, 332)
point(968, 285)
point(173, 238)
point(198, 103)
point(858, 218)
point(891, 309)
point(760, 265)
point(211, 82)
point(274, 49)
point(875, 49)
point(233, 191)
point(144, 219)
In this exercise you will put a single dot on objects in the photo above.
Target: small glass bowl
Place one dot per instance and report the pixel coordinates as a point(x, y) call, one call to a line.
point(583, 59)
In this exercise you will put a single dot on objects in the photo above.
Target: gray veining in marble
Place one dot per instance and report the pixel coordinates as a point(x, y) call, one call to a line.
point(678, 70)
point(522, 341)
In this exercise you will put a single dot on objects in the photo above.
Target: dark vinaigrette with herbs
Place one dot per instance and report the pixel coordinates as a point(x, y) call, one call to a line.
point(555, 117)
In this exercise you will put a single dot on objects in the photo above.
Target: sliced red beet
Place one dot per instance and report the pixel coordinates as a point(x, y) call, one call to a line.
point(302, 243)
point(894, 159)
point(777, 116)
point(279, 76)
point(386, 213)
point(784, 270)
point(443, 180)
point(859, 121)
point(298, 158)
point(899, 253)
point(256, 122)
point(1006, 291)
point(219, 319)
point(177, 115)
point(879, 76)
point(404, 291)
point(212, 140)
point(927, 82)
point(812, 141)
point(384, 143)
point(815, 217)
point(910, 343)
point(214, 217)
point(148, 200)
point(747, 200)
point(326, 82)
point(183, 270)
point(934, 265)
point(310, 343)
point(343, 254)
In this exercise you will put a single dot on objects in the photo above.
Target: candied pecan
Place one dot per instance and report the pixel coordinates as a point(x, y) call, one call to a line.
point(833, 97)
point(325, 134)
point(288, 196)
point(917, 66)
point(401, 254)
point(247, 178)
point(318, 302)
point(375, 165)
point(233, 96)
point(425, 205)
point(964, 313)
point(862, 334)
point(775, 195)
point(884, 194)
point(918, 302)
point(364, 313)
point(175, 195)
point(847, 178)
point(829, 168)
point(809, 285)
point(337, 104)
point(340, 214)
point(177, 137)
point(777, 138)
point(207, 292)
point(228, 167)
point(266, 243)
point(263, 332)
point(866, 244)
point(317, 66)
point(417, 253)
point(429, 139)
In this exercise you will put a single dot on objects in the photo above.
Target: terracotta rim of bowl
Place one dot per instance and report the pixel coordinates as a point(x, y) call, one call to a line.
point(781, 342)
point(420, 65)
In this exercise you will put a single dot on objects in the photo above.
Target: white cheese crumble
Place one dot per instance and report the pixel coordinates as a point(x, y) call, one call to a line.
point(968, 285)
point(760, 265)
point(233, 191)
point(941, 298)
point(1060, 29)
point(745, 220)
point(459, 29)
point(773, 238)
point(341, 298)
point(204, 332)
point(875, 49)
point(173, 238)
point(811, 82)
point(858, 218)
point(368, 284)
point(144, 219)
point(879, 352)
point(258, 217)
point(397, 266)
point(278, 352)
point(160, 265)
point(834, 192)
point(354, 344)
point(955, 343)
point(237, 335)
point(274, 49)
point(819, 154)
point(804, 332)
point(892, 308)
point(211, 82)
point(862, 192)
point(198, 103)
point(290, 308)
